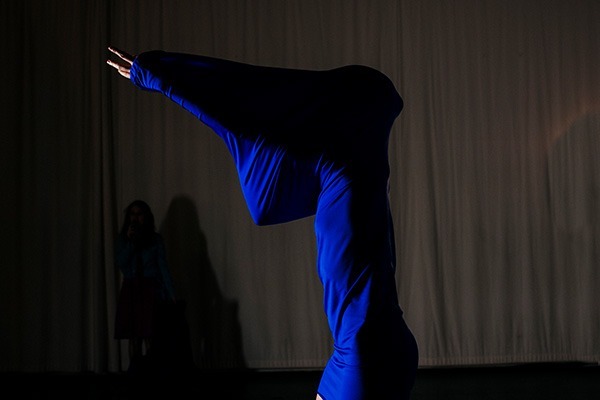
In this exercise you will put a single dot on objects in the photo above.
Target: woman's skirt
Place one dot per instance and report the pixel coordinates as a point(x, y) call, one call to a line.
point(136, 308)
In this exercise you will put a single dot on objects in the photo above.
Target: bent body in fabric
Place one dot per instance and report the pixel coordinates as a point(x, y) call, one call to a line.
point(314, 143)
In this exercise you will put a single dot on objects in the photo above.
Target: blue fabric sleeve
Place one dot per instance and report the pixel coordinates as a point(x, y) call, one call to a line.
point(245, 105)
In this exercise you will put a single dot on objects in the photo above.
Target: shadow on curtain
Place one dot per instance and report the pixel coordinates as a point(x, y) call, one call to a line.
point(213, 319)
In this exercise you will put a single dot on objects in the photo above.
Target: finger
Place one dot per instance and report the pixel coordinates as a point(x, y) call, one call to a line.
point(117, 66)
point(122, 54)
point(124, 71)
point(112, 64)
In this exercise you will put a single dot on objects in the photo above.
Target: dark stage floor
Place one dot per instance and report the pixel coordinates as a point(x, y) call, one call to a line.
point(530, 382)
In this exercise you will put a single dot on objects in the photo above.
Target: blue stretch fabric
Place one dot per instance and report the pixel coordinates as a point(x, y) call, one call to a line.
point(314, 143)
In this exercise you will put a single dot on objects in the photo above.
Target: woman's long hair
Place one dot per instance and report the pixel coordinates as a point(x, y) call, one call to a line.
point(148, 226)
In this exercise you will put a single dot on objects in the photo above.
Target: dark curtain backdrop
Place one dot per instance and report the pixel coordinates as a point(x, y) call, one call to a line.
point(495, 184)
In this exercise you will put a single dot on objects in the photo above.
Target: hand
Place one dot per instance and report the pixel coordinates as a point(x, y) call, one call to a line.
point(131, 232)
point(123, 69)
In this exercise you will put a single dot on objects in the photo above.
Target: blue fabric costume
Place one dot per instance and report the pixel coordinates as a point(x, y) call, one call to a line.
point(314, 143)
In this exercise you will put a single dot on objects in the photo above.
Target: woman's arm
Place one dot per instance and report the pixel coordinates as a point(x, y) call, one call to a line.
point(124, 255)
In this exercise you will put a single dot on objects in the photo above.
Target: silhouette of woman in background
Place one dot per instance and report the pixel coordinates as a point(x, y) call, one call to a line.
point(141, 258)
point(312, 143)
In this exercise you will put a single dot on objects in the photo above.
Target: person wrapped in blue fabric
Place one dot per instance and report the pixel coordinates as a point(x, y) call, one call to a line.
point(304, 143)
